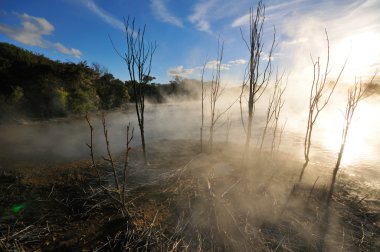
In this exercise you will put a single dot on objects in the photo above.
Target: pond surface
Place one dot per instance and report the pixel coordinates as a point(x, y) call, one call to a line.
point(65, 140)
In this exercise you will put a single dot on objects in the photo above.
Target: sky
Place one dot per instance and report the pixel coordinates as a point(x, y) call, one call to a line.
point(187, 33)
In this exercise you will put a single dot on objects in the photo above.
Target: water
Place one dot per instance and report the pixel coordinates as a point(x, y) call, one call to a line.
point(65, 140)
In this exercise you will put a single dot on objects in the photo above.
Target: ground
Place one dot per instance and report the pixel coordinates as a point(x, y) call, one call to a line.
point(184, 200)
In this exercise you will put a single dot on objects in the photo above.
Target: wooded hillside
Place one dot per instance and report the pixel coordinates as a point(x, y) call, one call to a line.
point(36, 87)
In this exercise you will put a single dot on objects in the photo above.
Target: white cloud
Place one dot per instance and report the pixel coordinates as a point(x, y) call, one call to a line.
point(240, 21)
point(200, 15)
point(273, 12)
point(208, 12)
point(238, 62)
point(210, 65)
point(283, 5)
point(72, 51)
point(353, 28)
point(265, 56)
point(105, 16)
point(213, 64)
point(180, 71)
point(36, 24)
point(32, 31)
point(203, 25)
point(295, 41)
point(160, 10)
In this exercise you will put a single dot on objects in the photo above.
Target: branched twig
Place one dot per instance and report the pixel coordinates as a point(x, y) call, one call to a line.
point(91, 147)
point(109, 159)
point(320, 94)
point(125, 173)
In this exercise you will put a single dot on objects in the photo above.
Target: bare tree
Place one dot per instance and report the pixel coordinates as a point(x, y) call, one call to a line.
point(277, 112)
point(109, 158)
point(354, 96)
point(272, 109)
point(279, 137)
point(268, 118)
point(138, 58)
point(126, 162)
point(228, 127)
point(91, 147)
point(117, 193)
point(259, 70)
point(215, 92)
point(203, 99)
point(320, 94)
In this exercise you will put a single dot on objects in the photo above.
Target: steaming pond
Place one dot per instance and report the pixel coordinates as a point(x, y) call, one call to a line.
point(65, 140)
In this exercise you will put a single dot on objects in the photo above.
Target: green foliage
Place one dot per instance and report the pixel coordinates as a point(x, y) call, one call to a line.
point(35, 86)
point(178, 89)
point(112, 92)
point(17, 95)
point(61, 98)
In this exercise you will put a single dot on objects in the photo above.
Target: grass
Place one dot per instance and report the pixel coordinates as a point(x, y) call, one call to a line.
point(182, 201)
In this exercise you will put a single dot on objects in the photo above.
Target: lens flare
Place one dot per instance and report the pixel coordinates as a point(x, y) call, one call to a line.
point(17, 208)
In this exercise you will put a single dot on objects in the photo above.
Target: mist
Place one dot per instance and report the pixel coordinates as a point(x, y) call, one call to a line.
point(210, 188)
point(64, 140)
point(213, 199)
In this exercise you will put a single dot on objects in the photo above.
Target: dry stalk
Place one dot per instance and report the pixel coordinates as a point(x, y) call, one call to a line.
point(354, 96)
point(203, 99)
point(91, 147)
point(125, 172)
point(320, 94)
point(273, 110)
point(109, 159)
point(216, 91)
point(277, 112)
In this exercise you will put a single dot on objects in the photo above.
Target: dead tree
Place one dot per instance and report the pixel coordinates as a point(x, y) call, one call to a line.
point(268, 118)
point(203, 99)
point(126, 162)
point(138, 58)
point(109, 158)
point(279, 137)
point(272, 109)
point(116, 193)
point(259, 70)
point(228, 127)
point(320, 94)
point(354, 96)
point(215, 92)
point(277, 112)
point(91, 147)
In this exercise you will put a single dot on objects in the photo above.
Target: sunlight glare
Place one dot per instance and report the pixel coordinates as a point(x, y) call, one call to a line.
point(362, 51)
point(356, 147)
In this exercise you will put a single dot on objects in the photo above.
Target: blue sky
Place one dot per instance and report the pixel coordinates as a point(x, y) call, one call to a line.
point(187, 33)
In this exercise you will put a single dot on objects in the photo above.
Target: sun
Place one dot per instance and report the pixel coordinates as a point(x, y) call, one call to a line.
point(362, 52)
point(357, 146)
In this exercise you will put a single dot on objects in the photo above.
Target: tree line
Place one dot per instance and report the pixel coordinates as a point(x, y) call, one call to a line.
point(34, 86)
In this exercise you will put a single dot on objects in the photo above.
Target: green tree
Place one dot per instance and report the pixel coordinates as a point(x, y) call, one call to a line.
point(112, 92)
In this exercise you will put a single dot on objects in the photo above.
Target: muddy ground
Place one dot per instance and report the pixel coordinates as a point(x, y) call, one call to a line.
point(184, 200)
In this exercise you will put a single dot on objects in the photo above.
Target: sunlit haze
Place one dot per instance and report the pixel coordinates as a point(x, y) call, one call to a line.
point(246, 125)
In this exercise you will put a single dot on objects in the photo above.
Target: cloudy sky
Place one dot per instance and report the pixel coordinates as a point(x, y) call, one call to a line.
point(187, 33)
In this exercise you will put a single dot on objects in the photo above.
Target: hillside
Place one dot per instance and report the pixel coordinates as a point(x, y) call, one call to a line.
point(33, 86)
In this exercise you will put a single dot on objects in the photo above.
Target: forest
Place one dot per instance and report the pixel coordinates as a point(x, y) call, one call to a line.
point(33, 86)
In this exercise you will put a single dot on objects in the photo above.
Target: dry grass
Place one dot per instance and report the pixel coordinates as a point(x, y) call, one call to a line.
point(181, 201)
